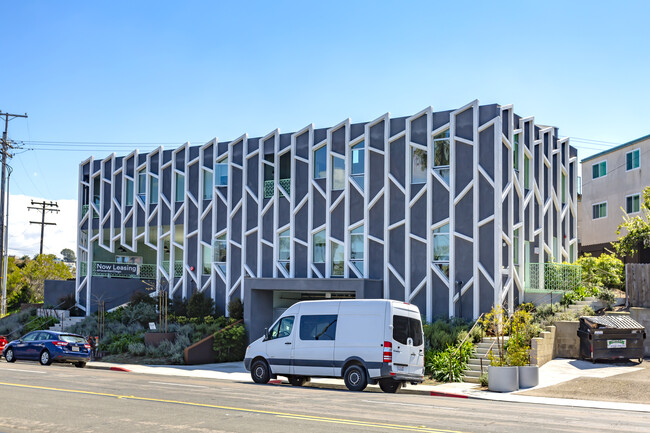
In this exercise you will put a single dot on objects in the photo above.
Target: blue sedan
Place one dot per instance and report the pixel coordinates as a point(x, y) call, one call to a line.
point(48, 347)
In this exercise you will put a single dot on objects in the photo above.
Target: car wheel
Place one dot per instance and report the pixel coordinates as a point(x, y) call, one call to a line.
point(9, 355)
point(297, 380)
point(260, 372)
point(390, 386)
point(80, 364)
point(355, 378)
point(45, 358)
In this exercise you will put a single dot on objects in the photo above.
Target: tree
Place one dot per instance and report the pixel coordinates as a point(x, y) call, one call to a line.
point(26, 278)
point(637, 229)
point(68, 255)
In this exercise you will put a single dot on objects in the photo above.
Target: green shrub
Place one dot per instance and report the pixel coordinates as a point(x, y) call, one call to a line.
point(443, 333)
point(39, 323)
point(137, 349)
point(236, 309)
point(606, 271)
point(543, 313)
point(141, 313)
point(230, 344)
point(142, 298)
point(483, 379)
point(608, 297)
point(438, 365)
point(10, 326)
point(199, 305)
point(119, 343)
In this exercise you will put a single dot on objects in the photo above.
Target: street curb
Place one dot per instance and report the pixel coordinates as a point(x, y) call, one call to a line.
point(106, 367)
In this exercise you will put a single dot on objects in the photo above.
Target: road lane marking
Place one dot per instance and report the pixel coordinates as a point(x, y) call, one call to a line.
point(410, 404)
point(26, 371)
point(178, 384)
point(241, 409)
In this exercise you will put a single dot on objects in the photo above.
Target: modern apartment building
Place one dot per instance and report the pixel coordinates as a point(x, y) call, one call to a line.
point(443, 209)
point(612, 185)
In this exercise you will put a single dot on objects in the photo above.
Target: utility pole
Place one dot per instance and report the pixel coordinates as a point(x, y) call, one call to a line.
point(5, 153)
point(44, 207)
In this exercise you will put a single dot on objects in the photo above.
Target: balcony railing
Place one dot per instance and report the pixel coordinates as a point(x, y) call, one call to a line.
point(269, 184)
point(145, 271)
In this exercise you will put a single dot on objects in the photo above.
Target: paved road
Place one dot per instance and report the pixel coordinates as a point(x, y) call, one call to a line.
point(61, 398)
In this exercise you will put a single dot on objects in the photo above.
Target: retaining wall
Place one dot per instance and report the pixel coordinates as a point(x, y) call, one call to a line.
point(642, 315)
point(542, 348)
point(567, 343)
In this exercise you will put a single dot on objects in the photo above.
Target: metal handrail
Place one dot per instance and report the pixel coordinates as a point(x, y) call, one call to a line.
point(492, 345)
point(453, 355)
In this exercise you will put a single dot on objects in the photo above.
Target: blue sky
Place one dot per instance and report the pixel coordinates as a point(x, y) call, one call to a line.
point(168, 72)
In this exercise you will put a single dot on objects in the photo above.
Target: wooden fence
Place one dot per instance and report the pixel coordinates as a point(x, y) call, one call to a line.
point(637, 284)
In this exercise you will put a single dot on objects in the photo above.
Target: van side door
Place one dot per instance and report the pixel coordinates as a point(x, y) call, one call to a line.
point(279, 345)
point(314, 347)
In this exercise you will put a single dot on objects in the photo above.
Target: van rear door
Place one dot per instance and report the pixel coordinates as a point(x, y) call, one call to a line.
point(408, 344)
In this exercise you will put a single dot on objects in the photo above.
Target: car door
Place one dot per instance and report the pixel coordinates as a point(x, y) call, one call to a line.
point(279, 345)
point(21, 349)
point(36, 346)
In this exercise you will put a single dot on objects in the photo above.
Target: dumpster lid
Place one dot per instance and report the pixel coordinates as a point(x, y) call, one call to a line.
point(615, 322)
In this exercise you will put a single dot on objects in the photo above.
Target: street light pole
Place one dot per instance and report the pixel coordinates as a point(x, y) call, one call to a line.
point(6, 250)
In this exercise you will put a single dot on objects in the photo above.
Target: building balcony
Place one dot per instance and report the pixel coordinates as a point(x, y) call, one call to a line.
point(269, 184)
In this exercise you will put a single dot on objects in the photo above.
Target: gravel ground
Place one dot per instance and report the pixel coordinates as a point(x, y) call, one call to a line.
point(633, 387)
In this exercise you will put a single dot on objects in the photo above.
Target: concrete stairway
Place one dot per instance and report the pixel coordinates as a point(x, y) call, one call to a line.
point(473, 371)
point(591, 301)
point(65, 321)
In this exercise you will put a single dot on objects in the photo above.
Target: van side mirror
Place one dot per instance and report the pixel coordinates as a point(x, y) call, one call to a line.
point(266, 334)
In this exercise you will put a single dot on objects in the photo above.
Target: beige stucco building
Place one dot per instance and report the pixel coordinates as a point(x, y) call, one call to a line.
point(612, 184)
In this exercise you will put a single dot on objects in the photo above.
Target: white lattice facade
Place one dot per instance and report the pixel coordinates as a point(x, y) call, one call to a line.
point(445, 208)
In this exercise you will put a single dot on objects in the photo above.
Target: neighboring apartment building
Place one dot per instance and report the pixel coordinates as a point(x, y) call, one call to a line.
point(612, 185)
point(441, 209)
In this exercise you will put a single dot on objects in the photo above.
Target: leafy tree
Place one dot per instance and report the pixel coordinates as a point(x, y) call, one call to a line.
point(26, 278)
point(636, 229)
point(68, 255)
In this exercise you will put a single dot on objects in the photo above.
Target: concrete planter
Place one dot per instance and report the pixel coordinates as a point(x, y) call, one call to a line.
point(155, 338)
point(528, 376)
point(503, 379)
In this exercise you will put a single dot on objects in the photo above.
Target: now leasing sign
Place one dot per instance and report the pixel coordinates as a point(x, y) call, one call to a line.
point(117, 269)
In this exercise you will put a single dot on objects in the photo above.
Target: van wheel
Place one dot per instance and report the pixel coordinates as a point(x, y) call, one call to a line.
point(297, 380)
point(390, 386)
point(260, 372)
point(355, 378)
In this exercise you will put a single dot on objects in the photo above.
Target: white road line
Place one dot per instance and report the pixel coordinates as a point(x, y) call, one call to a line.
point(26, 371)
point(409, 404)
point(178, 384)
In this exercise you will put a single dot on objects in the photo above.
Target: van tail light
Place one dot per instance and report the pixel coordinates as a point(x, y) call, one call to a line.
point(60, 343)
point(388, 351)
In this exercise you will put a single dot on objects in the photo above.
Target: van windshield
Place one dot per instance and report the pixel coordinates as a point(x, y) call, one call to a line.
point(405, 328)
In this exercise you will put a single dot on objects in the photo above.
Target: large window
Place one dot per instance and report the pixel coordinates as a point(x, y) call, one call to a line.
point(220, 251)
point(338, 259)
point(207, 260)
point(207, 184)
point(599, 170)
point(137, 260)
point(321, 327)
point(284, 250)
point(320, 163)
point(515, 247)
point(358, 163)
point(356, 248)
point(154, 189)
point(441, 248)
point(282, 328)
point(633, 203)
point(526, 172)
point(180, 187)
point(563, 188)
point(319, 247)
point(418, 165)
point(599, 210)
point(129, 192)
point(632, 160)
point(441, 155)
point(221, 172)
point(515, 148)
point(142, 186)
point(338, 173)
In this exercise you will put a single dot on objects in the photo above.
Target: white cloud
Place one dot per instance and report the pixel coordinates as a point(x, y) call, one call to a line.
point(25, 238)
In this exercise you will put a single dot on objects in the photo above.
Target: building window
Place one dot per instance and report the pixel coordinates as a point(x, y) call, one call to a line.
point(356, 248)
point(526, 172)
point(180, 187)
point(136, 260)
point(221, 172)
point(220, 252)
point(633, 203)
point(418, 165)
point(142, 186)
point(358, 163)
point(207, 260)
point(284, 248)
point(338, 173)
point(632, 160)
point(154, 189)
point(563, 189)
point(207, 184)
point(269, 175)
point(318, 247)
point(599, 170)
point(338, 259)
point(129, 192)
point(441, 155)
point(441, 248)
point(320, 162)
point(515, 148)
point(599, 210)
point(515, 247)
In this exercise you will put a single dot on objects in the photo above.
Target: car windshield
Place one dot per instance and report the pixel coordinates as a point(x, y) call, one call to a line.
point(72, 338)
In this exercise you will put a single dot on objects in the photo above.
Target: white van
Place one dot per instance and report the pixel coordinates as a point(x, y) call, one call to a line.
point(362, 341)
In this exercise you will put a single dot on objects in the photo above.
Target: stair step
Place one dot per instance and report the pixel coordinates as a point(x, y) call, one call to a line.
point(471, 380)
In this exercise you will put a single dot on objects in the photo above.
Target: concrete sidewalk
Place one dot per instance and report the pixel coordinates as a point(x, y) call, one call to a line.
point(554, 372)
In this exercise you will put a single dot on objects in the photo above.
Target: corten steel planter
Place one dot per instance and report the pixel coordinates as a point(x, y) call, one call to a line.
point(155, 338)
point(528, 376)
point(503, 379)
